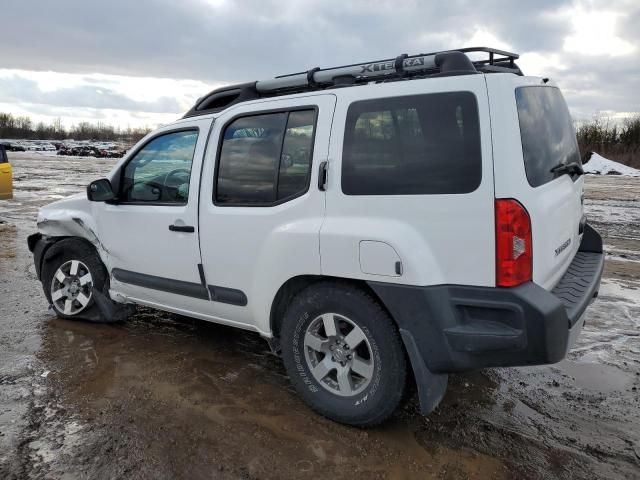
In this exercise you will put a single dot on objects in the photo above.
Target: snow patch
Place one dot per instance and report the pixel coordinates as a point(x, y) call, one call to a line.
point(598, 165)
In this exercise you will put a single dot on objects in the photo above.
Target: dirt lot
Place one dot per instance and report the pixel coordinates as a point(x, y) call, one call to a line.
point(167, 397)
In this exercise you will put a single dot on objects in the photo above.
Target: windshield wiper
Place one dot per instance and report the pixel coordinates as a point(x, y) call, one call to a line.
point(570, 168)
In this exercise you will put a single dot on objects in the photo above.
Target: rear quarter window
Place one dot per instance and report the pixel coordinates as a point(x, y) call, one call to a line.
point(546, 131)
point(413, 145)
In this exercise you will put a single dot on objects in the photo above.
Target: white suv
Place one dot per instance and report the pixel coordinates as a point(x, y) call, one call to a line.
point(414, 216)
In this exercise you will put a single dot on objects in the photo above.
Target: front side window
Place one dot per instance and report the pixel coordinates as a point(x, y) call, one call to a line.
point(413, 145)
point(265, 158)
point(546, 131)
point(160, 172)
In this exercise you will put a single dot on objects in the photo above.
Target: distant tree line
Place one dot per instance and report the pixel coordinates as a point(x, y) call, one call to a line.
point(620, 143)
point(22, 127)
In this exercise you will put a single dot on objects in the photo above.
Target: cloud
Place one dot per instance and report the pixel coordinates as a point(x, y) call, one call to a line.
point(97, 97)
point(19, 89)
point(251, 39)
point(221, 41)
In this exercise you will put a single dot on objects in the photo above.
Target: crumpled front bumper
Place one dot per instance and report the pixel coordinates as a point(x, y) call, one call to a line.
point(38, 245)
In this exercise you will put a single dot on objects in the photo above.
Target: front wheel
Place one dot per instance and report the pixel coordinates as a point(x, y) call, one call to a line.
point(343, 354)
point(71, 271)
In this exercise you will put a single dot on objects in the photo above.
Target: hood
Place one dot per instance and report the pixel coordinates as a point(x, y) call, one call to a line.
point(72, 201)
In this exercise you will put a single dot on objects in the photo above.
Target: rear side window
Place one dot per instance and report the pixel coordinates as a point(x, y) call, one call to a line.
point(547, 133)
point(265, 159)
point(414, 145)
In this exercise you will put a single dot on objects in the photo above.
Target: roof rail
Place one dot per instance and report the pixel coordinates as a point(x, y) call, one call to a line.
point(403, 67)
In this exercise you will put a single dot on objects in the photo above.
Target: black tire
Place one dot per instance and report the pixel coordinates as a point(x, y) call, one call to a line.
point(385, 390)
point(67, 250)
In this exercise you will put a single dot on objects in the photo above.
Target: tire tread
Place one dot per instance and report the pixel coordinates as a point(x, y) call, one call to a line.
point(391, 397)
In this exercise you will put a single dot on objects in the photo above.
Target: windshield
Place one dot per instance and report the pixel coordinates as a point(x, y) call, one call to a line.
point(547, 133)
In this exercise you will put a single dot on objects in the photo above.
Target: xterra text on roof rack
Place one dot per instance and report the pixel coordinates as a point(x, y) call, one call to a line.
point(412, 216)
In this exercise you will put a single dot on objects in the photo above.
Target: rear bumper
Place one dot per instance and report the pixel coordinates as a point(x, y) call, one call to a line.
point(457, 328)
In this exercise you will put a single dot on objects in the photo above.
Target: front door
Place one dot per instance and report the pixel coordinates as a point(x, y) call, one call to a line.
point(151, 233)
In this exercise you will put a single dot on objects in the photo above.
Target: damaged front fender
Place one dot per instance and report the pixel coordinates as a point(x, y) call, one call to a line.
point(70, 217)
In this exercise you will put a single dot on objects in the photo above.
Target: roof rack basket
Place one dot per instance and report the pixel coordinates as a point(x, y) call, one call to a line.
point(403, 67)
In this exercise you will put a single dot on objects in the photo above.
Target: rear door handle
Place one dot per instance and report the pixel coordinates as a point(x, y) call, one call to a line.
point(322, 176)
point(182, 228)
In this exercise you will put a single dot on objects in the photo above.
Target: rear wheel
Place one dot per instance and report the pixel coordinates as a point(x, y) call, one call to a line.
point(343, 354)
point(72, 269)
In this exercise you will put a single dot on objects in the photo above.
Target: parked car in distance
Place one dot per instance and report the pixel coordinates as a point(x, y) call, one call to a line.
point(417, 216)
point(13, 147)
point(100, 151)
point(6, 176)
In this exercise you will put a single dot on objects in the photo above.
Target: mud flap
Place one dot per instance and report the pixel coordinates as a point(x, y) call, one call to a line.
point(108, 311)
point(431, 386)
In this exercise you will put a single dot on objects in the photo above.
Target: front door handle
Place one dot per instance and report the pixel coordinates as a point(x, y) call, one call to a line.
point(182, 228)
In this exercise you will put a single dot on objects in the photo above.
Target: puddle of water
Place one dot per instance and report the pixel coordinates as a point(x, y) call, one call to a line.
point(596, 377)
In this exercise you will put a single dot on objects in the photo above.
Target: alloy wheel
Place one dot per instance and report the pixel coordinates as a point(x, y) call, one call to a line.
point(338, 354)
point(71, 287)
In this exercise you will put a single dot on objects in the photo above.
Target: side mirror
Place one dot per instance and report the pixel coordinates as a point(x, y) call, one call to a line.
point(3, 155)
point(100, 191)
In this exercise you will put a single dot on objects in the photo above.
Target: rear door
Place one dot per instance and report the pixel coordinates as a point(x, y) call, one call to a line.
point(410, 189)
point(260, 206)
point(534, 133)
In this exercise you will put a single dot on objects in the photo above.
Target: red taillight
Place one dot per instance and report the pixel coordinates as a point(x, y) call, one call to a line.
point(513, 243)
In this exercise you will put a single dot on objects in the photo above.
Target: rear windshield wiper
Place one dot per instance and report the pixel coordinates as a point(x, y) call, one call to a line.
point(570, 168)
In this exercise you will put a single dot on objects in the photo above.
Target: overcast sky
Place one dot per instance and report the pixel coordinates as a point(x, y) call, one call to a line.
point(144, 62)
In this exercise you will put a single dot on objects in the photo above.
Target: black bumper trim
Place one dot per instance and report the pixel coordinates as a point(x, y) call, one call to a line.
point(579, 284)
point(38, 245)
point(458, 328)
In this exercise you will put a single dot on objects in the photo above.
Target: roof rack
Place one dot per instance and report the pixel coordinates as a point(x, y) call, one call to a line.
point(403, 67)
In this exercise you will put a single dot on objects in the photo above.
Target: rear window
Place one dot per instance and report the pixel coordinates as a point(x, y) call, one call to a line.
point(266, 158)
point(413, 145)
point(547, 133)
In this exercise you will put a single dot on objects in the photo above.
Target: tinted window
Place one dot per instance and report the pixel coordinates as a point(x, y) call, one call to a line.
point(265, 158)
point(414, 145)
point(3, 155)
point(297, 149)
point(547, 133)
point(160, 172)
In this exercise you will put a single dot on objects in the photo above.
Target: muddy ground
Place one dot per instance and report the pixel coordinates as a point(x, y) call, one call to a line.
point(162, 396)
